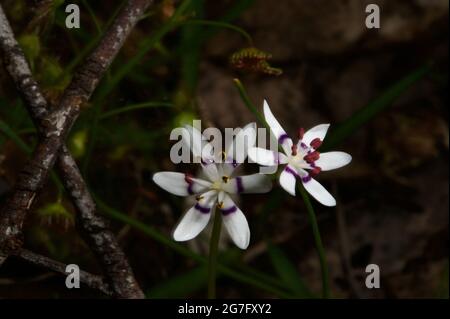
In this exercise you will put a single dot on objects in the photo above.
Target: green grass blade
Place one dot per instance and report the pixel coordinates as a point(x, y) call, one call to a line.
point(238, 276)
point(91, 43)
point(147, 230)
point(262, 276)
point(224, 25)
point(9, 132)
point(287, 272)
point(180, 286)
point(133, 107)
point(234, 12)
point(156, 235)
point(362, 116)
point(92, 15)
point(443, 286)
point(190, 47)
point(145, 46)
point(92, 138)
point(274, 201)
point(194, 35)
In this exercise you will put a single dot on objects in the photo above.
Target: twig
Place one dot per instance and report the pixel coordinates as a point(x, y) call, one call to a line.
point(92, 281)
point(54, 127)
point(95, 228)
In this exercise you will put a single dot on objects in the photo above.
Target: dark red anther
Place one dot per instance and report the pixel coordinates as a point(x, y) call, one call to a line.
point(315, 171)
point(301, 132)
point(294, 150)
point(315, 143)
point(312, 157)
point(188, 178)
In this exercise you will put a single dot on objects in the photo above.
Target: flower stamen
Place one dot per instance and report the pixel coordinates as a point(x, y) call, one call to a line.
point(188, 178)
point(315, 171)
point(312, 157)
point(301, 133)
point(189, 181)
point(294, 150)
point(315, 143)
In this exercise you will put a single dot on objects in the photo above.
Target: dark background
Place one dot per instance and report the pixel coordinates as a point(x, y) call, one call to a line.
point(392, 199)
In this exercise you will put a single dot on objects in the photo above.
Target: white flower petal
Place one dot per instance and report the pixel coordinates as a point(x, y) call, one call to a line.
point(318, 191)
point(235, 223)
point(266, 157)
point(211, 171)
point(193, 139)
point(198, 144)
point(318, 131)
point(208, 152)
point(250, 184)
point(196, 218)
point(192, 223)
point(229, 168)
point(287, 179)
point(180, 184)
point(332, 160)
point(244, 140)
point(280, 134)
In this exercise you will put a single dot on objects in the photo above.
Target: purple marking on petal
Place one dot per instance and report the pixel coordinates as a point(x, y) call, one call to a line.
point(306, 178)
point(190, 183)
point(303, 145)
point(232, 162)
point(206, 161)
point(229, 210)
point(202, 209)
point(276, 157)
point(282, 138)
point(291, 171)
point(239, 185)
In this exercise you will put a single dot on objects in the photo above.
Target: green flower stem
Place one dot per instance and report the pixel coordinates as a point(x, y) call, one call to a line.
point(249, 104)
point(213, 252)
point(318, 242)
point(180, 249)
point(311, 215)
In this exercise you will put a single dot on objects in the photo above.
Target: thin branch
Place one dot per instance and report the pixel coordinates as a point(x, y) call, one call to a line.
point(103, 241)
point(54, 127)
point(90, 280)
